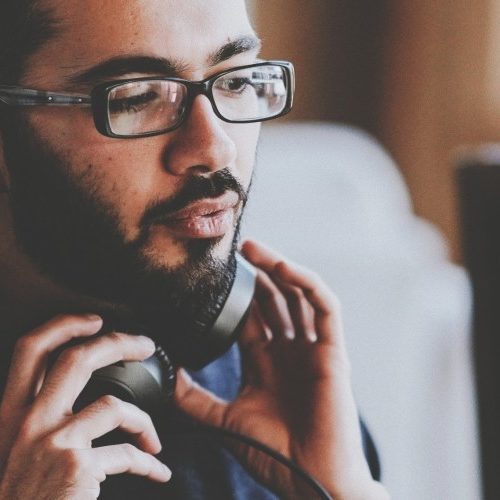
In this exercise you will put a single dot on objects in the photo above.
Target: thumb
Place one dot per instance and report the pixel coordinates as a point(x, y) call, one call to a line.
point(199, 403)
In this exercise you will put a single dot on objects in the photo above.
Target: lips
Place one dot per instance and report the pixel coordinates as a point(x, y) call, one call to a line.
point(207, 218)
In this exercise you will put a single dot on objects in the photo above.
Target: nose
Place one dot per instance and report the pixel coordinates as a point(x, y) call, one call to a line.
point(201, 144)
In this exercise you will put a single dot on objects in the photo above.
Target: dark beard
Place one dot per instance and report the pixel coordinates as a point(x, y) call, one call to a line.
point(74, 238)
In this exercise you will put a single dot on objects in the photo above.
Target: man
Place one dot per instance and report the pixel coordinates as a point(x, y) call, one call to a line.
point(123, 186)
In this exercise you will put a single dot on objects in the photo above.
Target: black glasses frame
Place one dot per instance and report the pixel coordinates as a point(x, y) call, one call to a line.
point(99, 96)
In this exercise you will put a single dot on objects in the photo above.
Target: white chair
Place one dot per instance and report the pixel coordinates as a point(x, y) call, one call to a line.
point(329, 197)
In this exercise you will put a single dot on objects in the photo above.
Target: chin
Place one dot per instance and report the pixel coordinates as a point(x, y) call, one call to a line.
point(222, 248)
point(169, 253)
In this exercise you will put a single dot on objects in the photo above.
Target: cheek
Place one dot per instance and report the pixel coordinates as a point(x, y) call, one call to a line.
point(117, 172)
point(126, 198)
point(122, 178)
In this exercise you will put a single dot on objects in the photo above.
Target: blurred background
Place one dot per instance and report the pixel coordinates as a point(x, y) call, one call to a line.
point(423, 79)
point(421, 76)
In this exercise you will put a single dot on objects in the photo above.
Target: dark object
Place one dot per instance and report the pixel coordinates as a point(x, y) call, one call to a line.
point(147, 384)
point(197, 351)
point(151, 383)
point(479, 183)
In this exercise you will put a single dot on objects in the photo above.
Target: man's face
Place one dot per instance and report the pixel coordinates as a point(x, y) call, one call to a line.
point(90, 210)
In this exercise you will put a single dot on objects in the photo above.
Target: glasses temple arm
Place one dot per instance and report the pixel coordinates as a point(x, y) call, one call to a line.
point(14, 96)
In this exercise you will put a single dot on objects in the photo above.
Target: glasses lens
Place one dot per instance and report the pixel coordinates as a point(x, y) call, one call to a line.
point(143, 107)
point(253, 93)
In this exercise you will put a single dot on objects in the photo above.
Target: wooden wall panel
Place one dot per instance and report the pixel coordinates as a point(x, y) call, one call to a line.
point(336, 48)
point(436, 62)
point(422, 76)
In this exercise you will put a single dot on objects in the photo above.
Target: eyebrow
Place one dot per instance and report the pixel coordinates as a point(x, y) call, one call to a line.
point(233, 48)
point(122, 65)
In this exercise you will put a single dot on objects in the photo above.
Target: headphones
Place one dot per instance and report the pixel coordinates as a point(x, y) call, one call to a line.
point(149, 384)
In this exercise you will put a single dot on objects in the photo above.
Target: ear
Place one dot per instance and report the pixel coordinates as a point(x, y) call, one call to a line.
point(4, 172)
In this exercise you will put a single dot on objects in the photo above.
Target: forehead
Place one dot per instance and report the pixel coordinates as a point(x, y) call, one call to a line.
point(94, 30)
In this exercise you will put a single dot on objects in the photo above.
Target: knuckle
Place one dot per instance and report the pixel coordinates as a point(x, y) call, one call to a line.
point(112, 406)
point(26, 431)
point(74, 356)
point(120, 339)
point(110, 402)
point(54, 441)
point(27, 343)
point(130, 451)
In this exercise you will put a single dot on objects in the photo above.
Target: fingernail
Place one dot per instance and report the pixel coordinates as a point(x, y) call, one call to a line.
point(94, 318)
point(147, 343)
point(312, 337)
point(167, 471)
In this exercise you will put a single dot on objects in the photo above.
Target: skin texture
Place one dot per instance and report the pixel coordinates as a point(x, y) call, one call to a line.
point(127, 177)
point(297, 396)
point(153, 168)
point(40, 429)
point(295, 320)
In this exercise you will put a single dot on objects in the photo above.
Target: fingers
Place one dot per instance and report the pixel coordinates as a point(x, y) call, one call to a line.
point(197, 402)
point(328, 323)
point(31, 353)
point(256, 364)
point(103, 416)
point(126, 458)
point(304, 290)
point(283, 307)
point(273, 306)
point(75, 365)
point(255, 328)
point(301, 311)
point(261, 256)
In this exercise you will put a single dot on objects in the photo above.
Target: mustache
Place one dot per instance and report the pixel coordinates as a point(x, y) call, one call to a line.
point(196, 188)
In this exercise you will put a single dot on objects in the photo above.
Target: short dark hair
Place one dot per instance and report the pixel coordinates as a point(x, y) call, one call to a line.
point(24, 26)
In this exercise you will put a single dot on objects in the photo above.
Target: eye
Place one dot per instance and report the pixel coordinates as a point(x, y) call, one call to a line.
point(132, 104)
point(235, 85)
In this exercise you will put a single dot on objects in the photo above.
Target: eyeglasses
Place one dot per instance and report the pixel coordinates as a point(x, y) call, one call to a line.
point(143, 107)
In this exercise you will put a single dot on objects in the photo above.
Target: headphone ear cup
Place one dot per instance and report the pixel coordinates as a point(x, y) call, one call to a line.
point(149, 384)
point(197, 351)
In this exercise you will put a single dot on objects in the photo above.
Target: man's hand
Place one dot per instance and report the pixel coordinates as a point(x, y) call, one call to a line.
point(46, 450)
point(297, 395)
